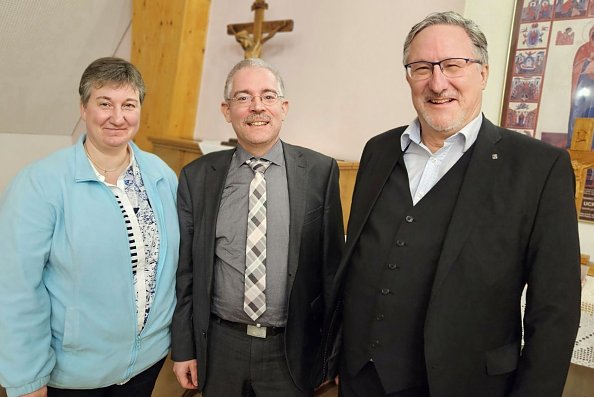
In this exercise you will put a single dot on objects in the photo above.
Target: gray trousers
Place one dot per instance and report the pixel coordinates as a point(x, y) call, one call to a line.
point(240, 365)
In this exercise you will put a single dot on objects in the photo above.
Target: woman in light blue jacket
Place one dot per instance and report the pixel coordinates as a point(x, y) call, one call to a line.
point(88, 254)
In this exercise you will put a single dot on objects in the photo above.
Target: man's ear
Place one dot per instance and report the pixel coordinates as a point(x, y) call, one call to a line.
point(285, 107)
point(485, 75)
point(226, 110)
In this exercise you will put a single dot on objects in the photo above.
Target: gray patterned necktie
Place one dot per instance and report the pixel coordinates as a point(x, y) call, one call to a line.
point(254, 300)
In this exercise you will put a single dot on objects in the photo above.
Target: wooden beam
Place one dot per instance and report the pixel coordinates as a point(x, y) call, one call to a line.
point(176, 152)
point(168, 41)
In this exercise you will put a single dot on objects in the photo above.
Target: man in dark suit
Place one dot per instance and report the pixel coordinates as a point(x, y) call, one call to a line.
point(451, 218)
point(253, 302)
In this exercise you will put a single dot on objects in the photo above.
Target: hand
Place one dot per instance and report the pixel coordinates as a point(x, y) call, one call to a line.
point(37, 393)
point(327, 385)
point(186, 373)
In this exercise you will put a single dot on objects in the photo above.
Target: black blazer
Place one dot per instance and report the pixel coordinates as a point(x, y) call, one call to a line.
point(514, 224)
point(316, 239)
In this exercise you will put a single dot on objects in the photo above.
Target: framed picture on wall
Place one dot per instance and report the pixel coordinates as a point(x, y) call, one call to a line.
point(550, 76)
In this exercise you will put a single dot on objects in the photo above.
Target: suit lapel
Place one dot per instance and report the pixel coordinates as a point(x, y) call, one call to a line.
point(216, 174)
point(296, 167)
point(481, 174)
point(376, 174)
point(369, 184)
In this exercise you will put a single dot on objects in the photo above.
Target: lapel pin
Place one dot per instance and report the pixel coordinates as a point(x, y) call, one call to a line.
point(494, 156)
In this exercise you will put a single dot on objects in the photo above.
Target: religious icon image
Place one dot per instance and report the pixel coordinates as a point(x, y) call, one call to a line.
point(570, 8)
point(529, 133)
point(586, 210)
point(565, 37)
point(521, 115)
point(534, 35)
point(550, 78)
point(536, 9)
point(545, 10)
point(582, 84)
point(525, 89)
point(529, 62)
point(582, 134)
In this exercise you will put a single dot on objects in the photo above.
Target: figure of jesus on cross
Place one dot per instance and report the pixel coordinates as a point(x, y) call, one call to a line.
point(251, 35)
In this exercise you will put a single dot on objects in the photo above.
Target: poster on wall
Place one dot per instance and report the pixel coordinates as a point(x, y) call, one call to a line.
point(586, 212)
point(550, 81)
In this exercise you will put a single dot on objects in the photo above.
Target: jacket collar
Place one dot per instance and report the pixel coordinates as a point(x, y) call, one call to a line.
point(480, 181)
point(83, 171)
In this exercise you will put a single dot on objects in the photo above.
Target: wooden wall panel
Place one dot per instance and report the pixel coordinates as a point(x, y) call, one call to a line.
point(168, 40)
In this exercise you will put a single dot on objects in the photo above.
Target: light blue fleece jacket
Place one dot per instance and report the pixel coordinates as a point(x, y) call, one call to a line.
point(67, 306)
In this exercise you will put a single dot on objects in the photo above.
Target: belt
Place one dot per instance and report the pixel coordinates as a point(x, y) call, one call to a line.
point(255, 330)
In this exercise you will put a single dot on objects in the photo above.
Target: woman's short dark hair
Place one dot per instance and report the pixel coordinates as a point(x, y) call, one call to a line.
point(110, 71)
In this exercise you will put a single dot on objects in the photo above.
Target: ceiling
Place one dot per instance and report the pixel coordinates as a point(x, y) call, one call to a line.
point(44, 47)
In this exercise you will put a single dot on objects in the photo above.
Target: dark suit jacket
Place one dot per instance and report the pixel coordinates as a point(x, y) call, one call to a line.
point(316, 239)
point(514, 224)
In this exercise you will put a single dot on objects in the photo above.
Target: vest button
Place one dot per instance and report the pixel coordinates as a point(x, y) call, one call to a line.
point(400, 243)
point(392, 266)
point(379, 317)
point(409, 219)
point(385, 291)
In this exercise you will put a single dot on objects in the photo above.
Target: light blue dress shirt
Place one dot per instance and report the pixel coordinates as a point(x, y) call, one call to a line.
point(424, 168)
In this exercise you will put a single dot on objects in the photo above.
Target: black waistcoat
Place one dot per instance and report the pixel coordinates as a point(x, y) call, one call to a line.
point(390, 277)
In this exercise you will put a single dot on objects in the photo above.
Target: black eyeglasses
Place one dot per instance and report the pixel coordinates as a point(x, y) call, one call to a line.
point(450, 67)
point(268, 99)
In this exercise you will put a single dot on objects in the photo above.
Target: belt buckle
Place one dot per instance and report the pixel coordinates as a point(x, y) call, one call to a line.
point(256, 330)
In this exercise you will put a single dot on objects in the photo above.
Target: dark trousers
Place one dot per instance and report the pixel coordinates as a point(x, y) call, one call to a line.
point(239, 365)
point(366, 383)
point(139, 386)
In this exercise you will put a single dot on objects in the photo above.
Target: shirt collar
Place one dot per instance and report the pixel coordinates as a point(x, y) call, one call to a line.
point(275, 155)
point(469, 133)
point(100, 176)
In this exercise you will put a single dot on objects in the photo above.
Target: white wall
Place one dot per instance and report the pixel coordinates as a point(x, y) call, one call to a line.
point(342, 67)
point(18, 150)
point(48, 45)
point(495, 20)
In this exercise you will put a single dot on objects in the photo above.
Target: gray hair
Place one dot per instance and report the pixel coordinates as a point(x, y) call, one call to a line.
point(450, 18)
point(256, 63)
point(110, 71)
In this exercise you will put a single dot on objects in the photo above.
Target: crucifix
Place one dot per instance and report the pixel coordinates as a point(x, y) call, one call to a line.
point(251, 35)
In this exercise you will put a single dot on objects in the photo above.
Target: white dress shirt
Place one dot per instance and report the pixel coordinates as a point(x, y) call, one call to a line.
point(424, 168)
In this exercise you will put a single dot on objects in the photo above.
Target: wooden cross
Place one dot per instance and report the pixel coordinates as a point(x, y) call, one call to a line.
point(251, 35)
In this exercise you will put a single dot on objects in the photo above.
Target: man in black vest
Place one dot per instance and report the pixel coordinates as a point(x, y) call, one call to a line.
point(451, 218)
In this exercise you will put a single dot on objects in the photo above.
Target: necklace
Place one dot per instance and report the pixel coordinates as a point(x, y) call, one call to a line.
point(104, 170)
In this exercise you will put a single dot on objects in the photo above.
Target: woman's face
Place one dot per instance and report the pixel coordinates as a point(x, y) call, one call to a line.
point(112, 116)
